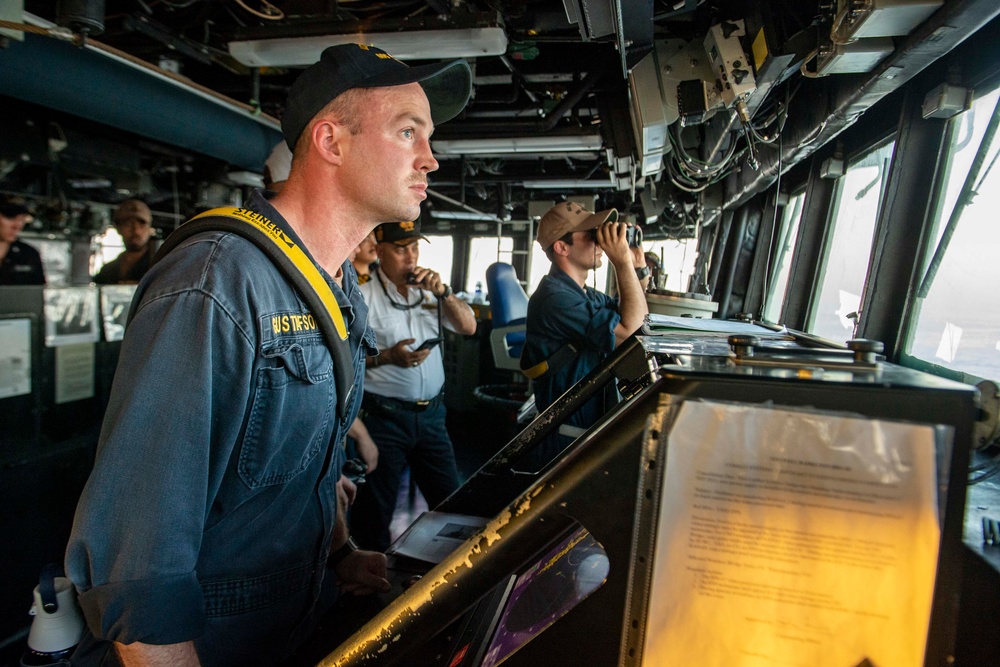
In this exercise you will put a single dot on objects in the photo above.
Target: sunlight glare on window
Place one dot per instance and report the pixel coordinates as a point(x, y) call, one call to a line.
point(787, 233)
point(108, 245)
point(437, 254)
point(677, 257)
point(958, 323)
point(859, 194)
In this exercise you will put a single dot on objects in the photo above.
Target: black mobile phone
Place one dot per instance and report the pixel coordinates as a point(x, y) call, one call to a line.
point(354, 470)
point(430, 343)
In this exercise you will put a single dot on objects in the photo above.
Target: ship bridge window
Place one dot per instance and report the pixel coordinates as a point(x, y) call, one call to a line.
point(788, 231)
point(483, 251)
point(438, 254)
point(955, 320)
point(847, 250)
point(539, 267)
point(677, 257)
point(106, 246)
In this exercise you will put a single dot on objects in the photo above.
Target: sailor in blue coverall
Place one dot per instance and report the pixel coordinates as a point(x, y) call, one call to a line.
point(210, 520)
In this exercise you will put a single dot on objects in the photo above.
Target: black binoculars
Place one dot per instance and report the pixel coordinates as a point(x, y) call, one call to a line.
point(632, 234)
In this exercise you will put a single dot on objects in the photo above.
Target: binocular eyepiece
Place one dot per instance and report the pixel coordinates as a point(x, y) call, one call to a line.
point(632, 234)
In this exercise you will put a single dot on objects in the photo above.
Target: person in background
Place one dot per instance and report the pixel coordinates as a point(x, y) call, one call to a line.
point(365, 256)
point(134, 221)
point(20, 264)
point(403, 401)
point(573, 327)
point(214, 514)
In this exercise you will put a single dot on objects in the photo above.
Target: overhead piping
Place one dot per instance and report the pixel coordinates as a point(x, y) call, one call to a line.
point(520, 127)
point(942, 32)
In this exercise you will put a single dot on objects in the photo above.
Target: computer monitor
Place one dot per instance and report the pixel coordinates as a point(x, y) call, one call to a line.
point(554, 584)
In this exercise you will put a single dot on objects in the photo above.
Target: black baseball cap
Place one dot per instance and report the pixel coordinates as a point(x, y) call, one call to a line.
point(400, 233)
point(345, 66)
point(12, 207)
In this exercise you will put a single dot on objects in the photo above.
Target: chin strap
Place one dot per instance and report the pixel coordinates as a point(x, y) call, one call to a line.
point(297, 268)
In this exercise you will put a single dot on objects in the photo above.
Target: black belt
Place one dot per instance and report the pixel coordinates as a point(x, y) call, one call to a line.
point(375, 403)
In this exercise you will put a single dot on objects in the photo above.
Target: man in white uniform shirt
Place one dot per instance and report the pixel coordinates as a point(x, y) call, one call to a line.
point(404, 410)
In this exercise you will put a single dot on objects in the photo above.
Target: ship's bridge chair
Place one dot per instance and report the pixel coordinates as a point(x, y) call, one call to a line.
point(509, 308)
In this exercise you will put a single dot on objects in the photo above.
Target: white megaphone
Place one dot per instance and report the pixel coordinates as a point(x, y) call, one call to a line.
point(58, 623)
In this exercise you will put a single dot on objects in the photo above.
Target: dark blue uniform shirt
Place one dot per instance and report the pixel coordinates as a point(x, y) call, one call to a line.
point(560, 312)
point(22, 265)
point(209, 512)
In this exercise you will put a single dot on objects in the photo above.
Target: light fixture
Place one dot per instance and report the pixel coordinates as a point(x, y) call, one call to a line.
point(462, 215)
point(564, 183)
point(584, 156)
point(537, 144)
point(410, 45)
point(458, 215)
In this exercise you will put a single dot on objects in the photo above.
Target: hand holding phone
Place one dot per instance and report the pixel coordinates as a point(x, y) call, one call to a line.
point(430, 343)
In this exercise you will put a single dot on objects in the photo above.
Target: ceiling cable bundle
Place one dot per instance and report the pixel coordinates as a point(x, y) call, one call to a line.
point(692, 174)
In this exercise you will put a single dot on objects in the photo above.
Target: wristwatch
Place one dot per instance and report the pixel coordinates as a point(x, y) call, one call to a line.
point(448, 291)
point(642, 273)
point(343, 552)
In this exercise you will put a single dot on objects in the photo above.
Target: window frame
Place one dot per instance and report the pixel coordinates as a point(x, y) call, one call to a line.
point(931, 239)
point(829, 230)
point(774, 251)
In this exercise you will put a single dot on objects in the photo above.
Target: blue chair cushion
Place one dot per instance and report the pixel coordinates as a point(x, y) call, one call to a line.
point(508, 301)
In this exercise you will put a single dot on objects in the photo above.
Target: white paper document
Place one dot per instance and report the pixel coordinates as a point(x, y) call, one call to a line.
point(434, 535)
point(790, 538)
point(74, 372)
point(656, 323)
point(70, 315)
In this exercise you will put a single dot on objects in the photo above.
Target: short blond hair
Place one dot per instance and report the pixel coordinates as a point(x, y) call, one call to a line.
point(346, 108)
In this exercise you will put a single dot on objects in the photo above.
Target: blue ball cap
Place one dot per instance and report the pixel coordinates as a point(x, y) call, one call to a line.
point(345, 66)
